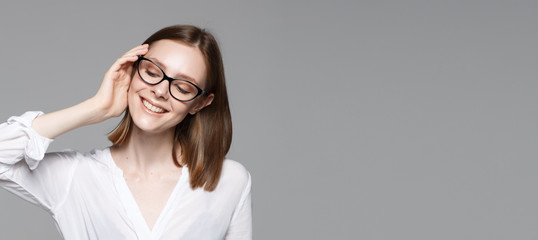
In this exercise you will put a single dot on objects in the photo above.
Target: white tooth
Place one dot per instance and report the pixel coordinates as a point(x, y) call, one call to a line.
point(152, 108)
point(155, 109)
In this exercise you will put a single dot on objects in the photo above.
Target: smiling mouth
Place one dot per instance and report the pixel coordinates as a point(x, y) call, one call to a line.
point(152, 108)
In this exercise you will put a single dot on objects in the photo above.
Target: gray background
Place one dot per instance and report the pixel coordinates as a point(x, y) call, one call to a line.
point(356, 119)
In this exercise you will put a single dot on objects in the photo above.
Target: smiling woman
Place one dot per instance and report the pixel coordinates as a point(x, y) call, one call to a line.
point(165, 176)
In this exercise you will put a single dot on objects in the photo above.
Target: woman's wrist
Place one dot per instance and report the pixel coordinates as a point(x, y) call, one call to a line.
point(96, 111)
point(52, 125)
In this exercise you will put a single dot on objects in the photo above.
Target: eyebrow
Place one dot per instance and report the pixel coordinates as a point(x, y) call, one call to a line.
point(179, 75)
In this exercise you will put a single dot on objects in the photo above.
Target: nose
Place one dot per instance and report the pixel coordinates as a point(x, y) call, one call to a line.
point(161, 90)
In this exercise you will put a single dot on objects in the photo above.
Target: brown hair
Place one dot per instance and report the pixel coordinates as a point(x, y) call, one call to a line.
point(205, 137)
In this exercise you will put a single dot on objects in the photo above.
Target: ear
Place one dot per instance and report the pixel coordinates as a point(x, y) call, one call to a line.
point(202, 104)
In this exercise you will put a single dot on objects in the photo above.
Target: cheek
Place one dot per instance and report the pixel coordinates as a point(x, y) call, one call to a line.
point(130, 96)
point(136, 83)
point(181, 109)
point(135, 86)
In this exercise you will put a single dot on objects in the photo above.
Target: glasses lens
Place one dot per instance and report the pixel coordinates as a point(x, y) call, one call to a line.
point(149, 72)
point(183, 90)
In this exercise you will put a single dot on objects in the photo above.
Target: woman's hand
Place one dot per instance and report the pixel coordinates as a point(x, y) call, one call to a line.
point(109, 101)
point(112, 95)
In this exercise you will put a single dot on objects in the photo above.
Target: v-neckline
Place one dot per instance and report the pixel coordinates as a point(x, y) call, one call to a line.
point(132, 209)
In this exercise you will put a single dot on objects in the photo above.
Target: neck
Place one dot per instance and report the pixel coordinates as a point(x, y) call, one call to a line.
point(146, 153)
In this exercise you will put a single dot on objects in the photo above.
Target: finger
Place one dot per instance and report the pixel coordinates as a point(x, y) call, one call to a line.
point(129, 57)
point(138, 50)
point(143, 46)
point(122, 61)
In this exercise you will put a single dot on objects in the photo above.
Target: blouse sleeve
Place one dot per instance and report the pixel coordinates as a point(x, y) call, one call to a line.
point(22, 149)
point(241, 224)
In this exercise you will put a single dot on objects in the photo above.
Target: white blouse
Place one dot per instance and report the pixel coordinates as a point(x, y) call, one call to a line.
point(88, 197)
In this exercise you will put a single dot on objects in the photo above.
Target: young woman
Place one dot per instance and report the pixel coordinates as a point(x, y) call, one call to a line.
point(165, 176)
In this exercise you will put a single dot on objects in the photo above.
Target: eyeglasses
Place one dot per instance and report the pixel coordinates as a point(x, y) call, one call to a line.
point(180, 89)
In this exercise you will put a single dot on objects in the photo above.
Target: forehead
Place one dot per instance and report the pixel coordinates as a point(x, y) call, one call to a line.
point(179, 60)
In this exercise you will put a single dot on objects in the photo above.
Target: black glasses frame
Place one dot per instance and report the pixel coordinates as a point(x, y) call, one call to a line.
point(169, 79)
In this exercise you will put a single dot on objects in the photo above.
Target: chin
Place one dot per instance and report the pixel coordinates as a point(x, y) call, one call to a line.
point(151, 127)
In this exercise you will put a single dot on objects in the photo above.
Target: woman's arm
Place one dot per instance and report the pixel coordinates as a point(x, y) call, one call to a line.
point(21, 151)
point(110, 100)
point(52, 125)
point(24, 139)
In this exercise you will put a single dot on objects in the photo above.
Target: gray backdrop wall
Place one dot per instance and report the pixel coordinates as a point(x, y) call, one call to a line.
point(356, 119)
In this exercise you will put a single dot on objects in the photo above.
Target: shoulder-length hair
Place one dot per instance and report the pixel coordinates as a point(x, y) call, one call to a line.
point(205, 137)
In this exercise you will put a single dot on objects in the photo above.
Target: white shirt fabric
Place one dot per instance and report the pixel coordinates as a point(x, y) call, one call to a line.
point(88, 197)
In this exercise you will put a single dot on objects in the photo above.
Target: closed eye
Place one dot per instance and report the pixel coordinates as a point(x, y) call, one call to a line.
point(181, 90)
point(151, 74)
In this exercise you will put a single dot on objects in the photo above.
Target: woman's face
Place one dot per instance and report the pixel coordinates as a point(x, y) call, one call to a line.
point(152, 107)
